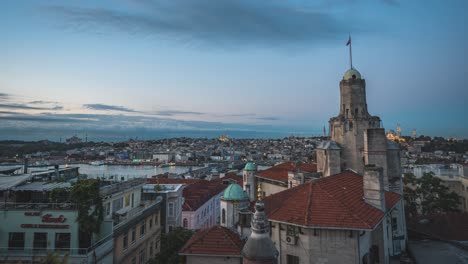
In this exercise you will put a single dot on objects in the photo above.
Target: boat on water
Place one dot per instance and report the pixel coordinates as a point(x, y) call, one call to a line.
point(97, 163)
point(164, 165)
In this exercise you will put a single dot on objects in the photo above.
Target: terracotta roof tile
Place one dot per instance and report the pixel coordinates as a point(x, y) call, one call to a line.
point(198, 193)
point(335, 201)
point(280, 172)
point(217, 241)
point(230, 176)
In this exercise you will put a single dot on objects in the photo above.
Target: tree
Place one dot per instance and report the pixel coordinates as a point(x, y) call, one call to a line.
point(53, 258)
point(85, 194)
point(171, 243)
point(428, 195)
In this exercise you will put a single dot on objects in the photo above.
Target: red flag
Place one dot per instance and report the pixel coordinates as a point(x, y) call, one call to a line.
point(349, 41)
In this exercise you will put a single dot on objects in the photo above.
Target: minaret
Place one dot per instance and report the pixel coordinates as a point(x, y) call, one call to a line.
point(249, 181)
point(259, 248)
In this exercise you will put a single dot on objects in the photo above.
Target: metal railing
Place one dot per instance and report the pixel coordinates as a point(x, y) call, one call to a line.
point(121, 186)
point(38, 206)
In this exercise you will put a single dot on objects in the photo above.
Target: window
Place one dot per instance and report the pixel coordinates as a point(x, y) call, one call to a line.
point(125, 241)
point(40, 241)
point(16, 241)
point(107, 208)
point(156, 243)
point(290, 259)
point(133, 234)
point(291, 230)
point(62, 240)
point(133, 200)
point(223, 217)
point(170, 228)
point(156, 219)
point(151, 249)
point(142, 256)
point(171, 209)
point(151, 223)
point(142, 228)
point(185, 222)
point(394, 223)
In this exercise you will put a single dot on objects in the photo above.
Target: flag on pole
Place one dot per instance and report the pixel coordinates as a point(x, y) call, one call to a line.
point(349, 41)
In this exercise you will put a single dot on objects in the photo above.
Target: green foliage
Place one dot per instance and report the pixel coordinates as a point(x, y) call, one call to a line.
point(53, 258)
point(171, 243)
point(428, 195)
point(85, 193)
point(59, 195)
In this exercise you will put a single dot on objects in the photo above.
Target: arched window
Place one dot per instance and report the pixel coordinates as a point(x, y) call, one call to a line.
point(223, 217)
point(185, 223)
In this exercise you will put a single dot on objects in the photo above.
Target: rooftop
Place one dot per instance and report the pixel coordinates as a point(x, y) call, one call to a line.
point(197, 194)
point(331, 202)
point(215, 241)
point(280, 172)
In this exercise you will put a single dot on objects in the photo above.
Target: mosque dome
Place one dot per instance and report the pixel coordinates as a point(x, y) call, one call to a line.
point(250, 167)
point(351, 74)
point(234, 193)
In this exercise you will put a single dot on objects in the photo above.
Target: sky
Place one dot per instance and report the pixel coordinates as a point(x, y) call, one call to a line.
point(246, 68)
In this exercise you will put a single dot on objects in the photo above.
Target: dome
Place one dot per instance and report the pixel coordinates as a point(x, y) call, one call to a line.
point(351, 74)
point(250, 166)
point(234, 192)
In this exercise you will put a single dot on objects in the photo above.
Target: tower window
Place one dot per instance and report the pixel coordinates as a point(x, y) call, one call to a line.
point(350, 125)
point(356, 112)
point(347, 112)
point(354, 76)
point(223, 217)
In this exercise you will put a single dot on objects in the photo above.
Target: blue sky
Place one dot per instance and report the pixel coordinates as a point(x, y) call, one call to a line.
point(205, 65)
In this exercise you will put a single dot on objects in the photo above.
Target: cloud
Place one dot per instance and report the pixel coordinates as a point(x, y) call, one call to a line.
point(176, 112)
point(226, 22)
point(27, 107)
point(40, 118)
point(4, 95)
point(42, 102)
point(109, 108)
point(268, 118)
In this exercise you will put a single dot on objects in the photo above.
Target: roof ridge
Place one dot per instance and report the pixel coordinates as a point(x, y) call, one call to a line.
point(344, 206)
point(195, 238)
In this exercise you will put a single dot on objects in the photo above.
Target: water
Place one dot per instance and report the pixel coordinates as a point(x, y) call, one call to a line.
point(127, 171)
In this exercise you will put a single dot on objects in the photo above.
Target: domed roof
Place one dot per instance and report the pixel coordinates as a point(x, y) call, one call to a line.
point(250, 166)
point(351, 74)
point(234, 192)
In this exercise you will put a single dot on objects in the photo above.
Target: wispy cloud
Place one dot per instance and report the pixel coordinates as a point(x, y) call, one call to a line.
point(215, 22)
point(4, 95)
point(105, 107)
point(42, 102)
point(268, 118)
point(176, 112)
point(27, 107)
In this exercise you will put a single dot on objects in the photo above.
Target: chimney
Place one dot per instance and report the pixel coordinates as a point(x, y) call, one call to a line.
point(374, 187)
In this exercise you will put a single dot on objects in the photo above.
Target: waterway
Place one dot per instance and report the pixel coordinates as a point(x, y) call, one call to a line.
point(117, 171)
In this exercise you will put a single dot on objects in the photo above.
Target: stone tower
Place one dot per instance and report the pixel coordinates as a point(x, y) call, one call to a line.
point(249, 181)
point(347, 129)
point(259, 248)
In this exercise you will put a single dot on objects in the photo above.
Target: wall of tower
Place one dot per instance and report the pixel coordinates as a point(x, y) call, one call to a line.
point(375, 150)
point(394, 170)
point(250, 184)
point(328, 161)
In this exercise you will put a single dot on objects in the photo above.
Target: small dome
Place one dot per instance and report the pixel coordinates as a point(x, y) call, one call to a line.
point(234, 192)
point(351, 74)
point(250, 166)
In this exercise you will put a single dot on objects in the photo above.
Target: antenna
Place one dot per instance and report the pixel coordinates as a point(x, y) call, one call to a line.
point(350, 51)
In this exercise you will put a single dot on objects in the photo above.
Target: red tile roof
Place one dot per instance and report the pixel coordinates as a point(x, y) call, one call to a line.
point(198, 193)
point(280, 172)
point(331, 202)
point(230, 176)
point(216, 241)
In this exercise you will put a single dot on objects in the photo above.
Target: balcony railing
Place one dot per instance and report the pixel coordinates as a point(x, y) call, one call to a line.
point(121, 186)
point(38, 206)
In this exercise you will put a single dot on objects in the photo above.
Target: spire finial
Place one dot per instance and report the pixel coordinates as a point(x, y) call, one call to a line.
point(259, 192)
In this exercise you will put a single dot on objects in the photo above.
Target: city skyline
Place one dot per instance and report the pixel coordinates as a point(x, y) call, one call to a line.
point(243, 67)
